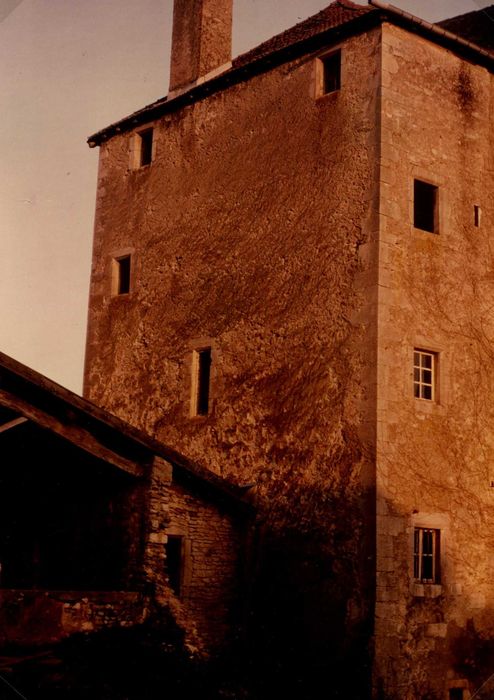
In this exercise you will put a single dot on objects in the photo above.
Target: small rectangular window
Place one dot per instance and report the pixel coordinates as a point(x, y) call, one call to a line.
point(121, 275)
point(146, 147)
point(424, 374)
point(425, 216)
point(201, 368)
point(426, 555)
point(456, 694)
point(174, 562)
point(142, 148)
point(331, 73)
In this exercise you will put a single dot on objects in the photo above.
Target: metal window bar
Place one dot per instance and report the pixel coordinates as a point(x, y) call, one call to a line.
point(426, 555)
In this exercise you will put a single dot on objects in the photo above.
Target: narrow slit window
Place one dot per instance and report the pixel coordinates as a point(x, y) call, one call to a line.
point(331, 73)
point(425, 215)
point(202, 381)
point(426, 555)
point(174, 562)
point(476, 215)
point(424, 374)
point(145, 147)
point(121, 272)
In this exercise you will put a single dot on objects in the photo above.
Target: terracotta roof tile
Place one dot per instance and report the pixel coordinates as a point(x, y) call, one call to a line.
point(336, 14)
point(476, 26)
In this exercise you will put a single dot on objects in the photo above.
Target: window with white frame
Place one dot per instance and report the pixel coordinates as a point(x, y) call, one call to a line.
point(426, 555)
point(424, 374)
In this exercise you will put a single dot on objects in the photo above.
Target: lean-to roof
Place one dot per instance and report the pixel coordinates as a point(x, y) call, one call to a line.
point(26, 394)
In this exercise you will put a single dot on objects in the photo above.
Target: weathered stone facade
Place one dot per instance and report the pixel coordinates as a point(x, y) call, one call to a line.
point(275, 225)
point(434, 459)
point(287, 367)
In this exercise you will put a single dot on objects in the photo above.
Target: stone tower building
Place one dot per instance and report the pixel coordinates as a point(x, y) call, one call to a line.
point(292, 284)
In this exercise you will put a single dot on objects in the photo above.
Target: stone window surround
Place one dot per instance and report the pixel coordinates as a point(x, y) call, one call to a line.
point(421, 360)
point(196, 345)
point(319, 72)
point(135, 146)
point(114, 272)
point(461, 683)
point(433, 521)
point(442, 202)
point(437, 405)
point(427, 549)
point(425, 206)
point(186, 570)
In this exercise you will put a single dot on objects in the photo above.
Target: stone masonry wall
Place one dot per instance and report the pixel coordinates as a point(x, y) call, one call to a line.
point(435, 458)
point(212, 576)
point(246, 232)
point(211, 583)
point(253, 232)
point(41, 617)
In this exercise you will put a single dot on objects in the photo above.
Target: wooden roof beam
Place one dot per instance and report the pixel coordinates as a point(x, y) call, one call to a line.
point(77, 435)
point(12, 424)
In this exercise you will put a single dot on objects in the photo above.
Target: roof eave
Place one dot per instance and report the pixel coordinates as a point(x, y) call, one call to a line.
point(443, 37)
point(236, 75)
point(46, 395)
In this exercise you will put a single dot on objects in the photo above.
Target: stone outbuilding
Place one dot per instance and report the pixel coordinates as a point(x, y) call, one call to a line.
point(101, 526)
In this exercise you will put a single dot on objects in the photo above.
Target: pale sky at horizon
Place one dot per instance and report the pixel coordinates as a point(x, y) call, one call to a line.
point(68, 69)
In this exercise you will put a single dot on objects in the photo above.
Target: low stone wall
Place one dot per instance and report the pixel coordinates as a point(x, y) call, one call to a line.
point(38, 617)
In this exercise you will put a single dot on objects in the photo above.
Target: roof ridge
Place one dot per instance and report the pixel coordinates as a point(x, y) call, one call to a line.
point(475, 27)
point(348, 4)
point(464, 14)
point(337, 13)
point(325, 28)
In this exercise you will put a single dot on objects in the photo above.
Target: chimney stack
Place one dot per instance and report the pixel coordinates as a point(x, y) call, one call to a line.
point(201, 41)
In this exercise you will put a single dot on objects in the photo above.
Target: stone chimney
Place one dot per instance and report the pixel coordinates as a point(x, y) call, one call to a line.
point(201, 41)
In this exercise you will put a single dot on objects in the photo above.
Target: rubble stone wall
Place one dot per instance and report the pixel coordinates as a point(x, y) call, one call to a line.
point(40, 617)
point(207, 604)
